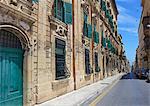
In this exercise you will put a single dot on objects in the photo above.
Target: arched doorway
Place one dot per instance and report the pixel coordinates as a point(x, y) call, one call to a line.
point(11, 69)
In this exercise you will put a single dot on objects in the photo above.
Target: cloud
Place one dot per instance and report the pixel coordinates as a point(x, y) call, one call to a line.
point(125, 17)
point(130, 30)
point(121, 9)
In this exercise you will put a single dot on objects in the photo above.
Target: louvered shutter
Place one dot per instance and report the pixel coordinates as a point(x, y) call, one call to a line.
point(67, 13)
point(89, 30)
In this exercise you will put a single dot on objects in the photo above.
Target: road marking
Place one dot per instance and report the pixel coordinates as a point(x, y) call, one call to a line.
point(99, 98)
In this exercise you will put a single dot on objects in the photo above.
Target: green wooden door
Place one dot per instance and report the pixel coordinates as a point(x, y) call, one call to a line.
point(11, 93)
point(11, 59)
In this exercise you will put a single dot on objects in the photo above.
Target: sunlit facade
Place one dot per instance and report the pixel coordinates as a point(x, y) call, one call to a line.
point(143, 51)
point(56, 50)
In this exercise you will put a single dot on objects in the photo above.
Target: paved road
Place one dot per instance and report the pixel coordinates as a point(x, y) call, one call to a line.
point(129, 91)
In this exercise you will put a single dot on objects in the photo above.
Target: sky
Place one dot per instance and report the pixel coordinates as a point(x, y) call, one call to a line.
point(128, 23)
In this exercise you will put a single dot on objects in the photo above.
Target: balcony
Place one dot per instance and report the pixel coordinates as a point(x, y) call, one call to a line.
point(146, 25)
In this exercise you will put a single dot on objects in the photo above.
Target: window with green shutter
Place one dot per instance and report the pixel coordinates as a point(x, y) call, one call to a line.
point(67, 13)
point(35, 1)
point(108, 43)
point(103, 40)
point(107, 13)
point(89, 31)
point(85, 26)
point(63, 11)
point(96, 37)
point(59, 10)
point(103, 5)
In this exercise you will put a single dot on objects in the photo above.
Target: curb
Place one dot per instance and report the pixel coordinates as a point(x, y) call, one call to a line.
point(91, 98)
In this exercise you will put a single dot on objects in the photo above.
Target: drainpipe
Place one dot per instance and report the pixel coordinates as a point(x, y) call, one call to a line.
point(73, 39)
point(36, 86)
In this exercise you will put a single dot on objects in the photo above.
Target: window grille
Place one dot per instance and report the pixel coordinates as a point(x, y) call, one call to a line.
point(9, 40)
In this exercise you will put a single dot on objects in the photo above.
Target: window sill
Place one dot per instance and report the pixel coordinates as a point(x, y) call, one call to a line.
point(87, 76)
point(56, 21)
point(58, 84)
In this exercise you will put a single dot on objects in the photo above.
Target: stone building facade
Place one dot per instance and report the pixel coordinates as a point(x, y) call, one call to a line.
point(52, 47)
point(143, 50)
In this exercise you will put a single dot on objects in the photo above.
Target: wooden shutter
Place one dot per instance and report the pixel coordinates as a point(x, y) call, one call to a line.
point(97, 37)
point(59, 9)
point(35, 1)
point(67, 13)
point(89, 30)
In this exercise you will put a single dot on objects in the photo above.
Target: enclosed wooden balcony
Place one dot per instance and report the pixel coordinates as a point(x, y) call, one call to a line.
point(146, 25)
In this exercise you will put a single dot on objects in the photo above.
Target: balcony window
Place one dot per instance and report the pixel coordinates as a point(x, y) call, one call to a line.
point(60, 60)
point(63, 11)
point(103, 40)
point(109, 45)
point(59, 9)
point(96, 35)
point(35, 1)
point(85, 26)
point(89, 30)
point(103, 5)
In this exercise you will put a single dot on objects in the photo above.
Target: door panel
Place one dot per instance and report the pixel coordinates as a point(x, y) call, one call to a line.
point(11, 77)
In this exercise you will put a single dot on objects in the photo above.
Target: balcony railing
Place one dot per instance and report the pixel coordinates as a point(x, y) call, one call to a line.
point(146, 25)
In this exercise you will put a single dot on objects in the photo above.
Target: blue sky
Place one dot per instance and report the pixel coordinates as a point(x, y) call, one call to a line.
point(128, 22)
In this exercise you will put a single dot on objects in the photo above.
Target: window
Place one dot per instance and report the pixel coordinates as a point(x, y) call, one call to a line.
point(59, 9)
point(34, 1)
point(96, 63)
point(9, 40)
point(63, 11)
point(96, 35)
point(85, 27)
point(103, 39)
point(87, 62)
point(60, 60)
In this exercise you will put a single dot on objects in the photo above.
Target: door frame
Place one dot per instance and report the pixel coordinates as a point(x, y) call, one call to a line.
point(26, 61)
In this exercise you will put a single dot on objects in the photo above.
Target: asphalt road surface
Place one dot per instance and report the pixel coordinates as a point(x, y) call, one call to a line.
point(129, 91)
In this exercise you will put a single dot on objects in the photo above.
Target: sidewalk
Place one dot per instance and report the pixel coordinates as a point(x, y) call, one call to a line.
point(82, 95)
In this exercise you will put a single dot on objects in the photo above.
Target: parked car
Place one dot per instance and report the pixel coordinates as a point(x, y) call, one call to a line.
point(141, 73)
point(144, 73)
point(137, 73)
point(148, 75)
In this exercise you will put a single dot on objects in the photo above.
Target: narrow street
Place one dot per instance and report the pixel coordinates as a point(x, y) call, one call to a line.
point(129, 91)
